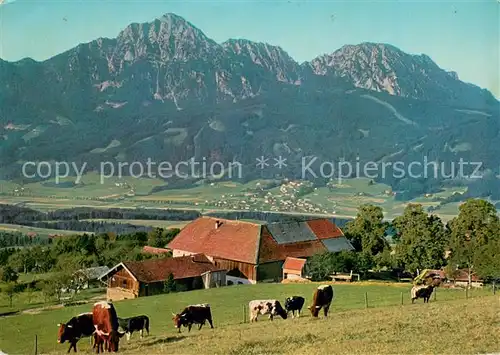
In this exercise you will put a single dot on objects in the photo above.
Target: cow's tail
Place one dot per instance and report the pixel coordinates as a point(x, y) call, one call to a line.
point(146, 325)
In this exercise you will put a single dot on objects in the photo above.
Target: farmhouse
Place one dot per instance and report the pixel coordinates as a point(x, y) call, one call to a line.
point(294, 269)
point(460, 278)
point(131, 279)
point(254, 252)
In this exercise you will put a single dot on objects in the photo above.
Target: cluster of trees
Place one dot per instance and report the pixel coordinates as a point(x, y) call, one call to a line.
point(11, 239)
point(419, 241)
point(22, 215)
point(67, 254)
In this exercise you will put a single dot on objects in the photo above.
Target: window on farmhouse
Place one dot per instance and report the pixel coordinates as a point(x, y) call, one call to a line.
point(124, 283)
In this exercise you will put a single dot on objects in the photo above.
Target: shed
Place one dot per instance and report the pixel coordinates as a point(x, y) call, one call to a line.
point(294, 268)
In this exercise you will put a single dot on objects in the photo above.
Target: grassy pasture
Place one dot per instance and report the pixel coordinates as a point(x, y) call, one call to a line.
point(348, 325)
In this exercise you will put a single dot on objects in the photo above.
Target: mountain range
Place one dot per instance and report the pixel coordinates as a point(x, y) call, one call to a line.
point(163, 90)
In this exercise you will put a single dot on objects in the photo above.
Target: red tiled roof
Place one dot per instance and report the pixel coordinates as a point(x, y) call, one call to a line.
point(152, 250)
point(233, 240)
point(294, 264)
point(272, 251)
point(250, 242)
point(324, 228)
point(462, 275)
point(156, 270)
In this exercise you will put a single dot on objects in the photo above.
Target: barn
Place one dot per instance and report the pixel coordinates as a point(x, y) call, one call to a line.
point(253, 252)
point(132, 279)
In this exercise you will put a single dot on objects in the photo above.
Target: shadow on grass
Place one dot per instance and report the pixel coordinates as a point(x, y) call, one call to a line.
point(6, 314)
point(166, 340)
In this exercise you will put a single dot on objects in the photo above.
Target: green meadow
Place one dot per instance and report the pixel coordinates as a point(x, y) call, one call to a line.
point(230, 314)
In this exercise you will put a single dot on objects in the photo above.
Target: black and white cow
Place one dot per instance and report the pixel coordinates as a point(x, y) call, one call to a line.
point(80, 326)
point(294, 304)
point(271, 307)
point(421, 291)
point(134, 324)
point(193, 314)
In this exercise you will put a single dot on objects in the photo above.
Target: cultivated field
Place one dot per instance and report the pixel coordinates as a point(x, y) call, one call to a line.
point(450, 324)
point(127, 192)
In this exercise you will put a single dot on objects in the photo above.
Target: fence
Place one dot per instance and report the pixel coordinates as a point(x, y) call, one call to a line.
point(376, 300)
point(350, 298)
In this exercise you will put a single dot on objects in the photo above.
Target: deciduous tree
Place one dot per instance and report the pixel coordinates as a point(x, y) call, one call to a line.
point(421, 239)
point(474, 233)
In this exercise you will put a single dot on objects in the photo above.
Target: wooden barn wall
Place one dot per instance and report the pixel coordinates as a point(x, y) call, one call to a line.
point(122, 279)
point(248, 270)
point(270, 271)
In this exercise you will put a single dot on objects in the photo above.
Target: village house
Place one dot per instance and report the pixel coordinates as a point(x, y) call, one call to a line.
point(294, 269)
point(253, 252)
point(132, 279)
point(90, 277)
point(459, 278)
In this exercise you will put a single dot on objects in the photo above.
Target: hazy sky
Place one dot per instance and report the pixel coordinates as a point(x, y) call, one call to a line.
point(458, 35)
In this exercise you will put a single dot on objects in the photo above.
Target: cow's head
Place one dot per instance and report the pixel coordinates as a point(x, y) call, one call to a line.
point(280, 311)
point(178, 320)
point(288, 303)
point(314, 310)
point(114, 340)
point(65, 332)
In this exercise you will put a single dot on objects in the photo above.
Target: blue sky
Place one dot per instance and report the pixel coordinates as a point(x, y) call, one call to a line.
point(458, 35)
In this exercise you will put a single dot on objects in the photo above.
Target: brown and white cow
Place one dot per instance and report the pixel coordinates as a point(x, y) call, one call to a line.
point(80, 326)
point(193, 314)
point(271, 307)
point(106, 326)
point(322, 298)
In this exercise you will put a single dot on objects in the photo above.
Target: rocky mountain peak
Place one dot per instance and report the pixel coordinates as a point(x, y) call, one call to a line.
point(385, 68)
point(169, 37)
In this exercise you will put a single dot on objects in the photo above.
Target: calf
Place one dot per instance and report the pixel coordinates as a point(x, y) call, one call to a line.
point(78, 327)
point(294, 303)
point(271, 307)
point(322, 298)
point(193, 314)
point(133, 324)
point(421, 291)
point(106, 326)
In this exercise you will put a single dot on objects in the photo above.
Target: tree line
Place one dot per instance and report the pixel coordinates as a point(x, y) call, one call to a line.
point(420, 241)
point(91, 226)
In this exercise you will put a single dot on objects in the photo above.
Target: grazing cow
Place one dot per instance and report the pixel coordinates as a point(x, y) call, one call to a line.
point(193, 314)
point(421, 291)
point(271, 307)
point(133, 324)
point(106, 325)
point(322, 298)
point(76, 328)
point(294, 303)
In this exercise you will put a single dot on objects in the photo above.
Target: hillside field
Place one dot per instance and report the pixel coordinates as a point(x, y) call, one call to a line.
point(383, 327)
